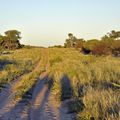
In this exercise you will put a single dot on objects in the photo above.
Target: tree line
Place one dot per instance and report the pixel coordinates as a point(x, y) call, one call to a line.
point(10, 40)
point(108, 44)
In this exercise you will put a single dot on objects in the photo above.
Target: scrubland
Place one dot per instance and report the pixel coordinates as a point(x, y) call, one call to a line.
point(94, 83)
point(91, 84)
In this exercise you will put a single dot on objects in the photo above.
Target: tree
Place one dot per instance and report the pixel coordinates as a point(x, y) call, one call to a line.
point(70, 35)
point(13, 35)
point(71, 41)
point(79, 43)
point(113, 34)
point(11, 39)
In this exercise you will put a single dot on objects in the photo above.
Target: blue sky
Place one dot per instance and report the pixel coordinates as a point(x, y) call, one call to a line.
point(47, 22)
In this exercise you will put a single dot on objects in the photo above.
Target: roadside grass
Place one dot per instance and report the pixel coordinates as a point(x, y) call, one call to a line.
point(94, 81)
point(89, 76)
point(29, 80)
point(19, 62)
point(100, 105)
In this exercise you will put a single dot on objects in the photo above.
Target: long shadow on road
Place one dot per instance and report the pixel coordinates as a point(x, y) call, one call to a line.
point(70, 104)
point(40, 109)
point(66, 88)
point(66, 97)
point(35, 105)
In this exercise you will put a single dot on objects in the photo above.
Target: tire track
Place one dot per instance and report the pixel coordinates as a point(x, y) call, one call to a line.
point(43, 104)
point(11, 109)
point(41, 109)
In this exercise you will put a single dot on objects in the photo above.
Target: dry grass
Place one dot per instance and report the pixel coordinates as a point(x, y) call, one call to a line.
point(17, 63)
point(28, 80)
point(94, 80)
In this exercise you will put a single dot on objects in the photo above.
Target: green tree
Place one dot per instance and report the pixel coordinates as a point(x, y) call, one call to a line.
point(13, 35)
point(11, 39)
point(113, 34)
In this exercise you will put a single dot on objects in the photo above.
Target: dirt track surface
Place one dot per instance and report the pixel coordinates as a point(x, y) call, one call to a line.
point(9, 108)
point(43, 105)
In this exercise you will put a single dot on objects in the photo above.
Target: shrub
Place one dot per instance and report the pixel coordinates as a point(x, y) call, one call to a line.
point(116, 48)
point(101, 49)
point(89, 46)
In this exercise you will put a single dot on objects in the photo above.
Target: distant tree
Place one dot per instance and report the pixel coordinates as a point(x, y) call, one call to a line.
point(11, 39)
point(112, 40)
point(70, 35)
point(79, 44)
point(108, 45)
point(113, 34)
point(13, 35)
point(71, 41)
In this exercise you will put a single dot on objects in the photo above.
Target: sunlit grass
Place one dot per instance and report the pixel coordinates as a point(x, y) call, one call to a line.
point(92, 73)
point(94, 80)
point(21, 61)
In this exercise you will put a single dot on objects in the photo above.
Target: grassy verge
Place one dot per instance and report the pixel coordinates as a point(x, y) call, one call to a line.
point(94, 80)
point(28, 81)
point(17, 63)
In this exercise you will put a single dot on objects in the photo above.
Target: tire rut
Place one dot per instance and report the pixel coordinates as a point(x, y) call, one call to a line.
point(11, 109)
point(41, 109)
point(43, 106)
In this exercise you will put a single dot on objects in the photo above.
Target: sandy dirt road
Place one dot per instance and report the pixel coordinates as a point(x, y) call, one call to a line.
point(11, 109)
point(44, 105)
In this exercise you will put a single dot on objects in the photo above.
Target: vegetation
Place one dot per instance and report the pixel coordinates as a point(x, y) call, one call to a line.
point(17, 62)
point(94, 82)
point(29, 80)
point(10, 40)
point(108, 45)
point(90, 83)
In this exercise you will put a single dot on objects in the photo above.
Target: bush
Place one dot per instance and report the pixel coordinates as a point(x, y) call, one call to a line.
point(101, 49)
point(116, 48)
point(89, 45)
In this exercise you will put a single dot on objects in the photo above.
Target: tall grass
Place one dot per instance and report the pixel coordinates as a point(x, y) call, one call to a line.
point(29, 80)
point(19, 62)
point(95, 80)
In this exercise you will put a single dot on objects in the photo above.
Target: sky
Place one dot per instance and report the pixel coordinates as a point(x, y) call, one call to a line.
point(47, 22)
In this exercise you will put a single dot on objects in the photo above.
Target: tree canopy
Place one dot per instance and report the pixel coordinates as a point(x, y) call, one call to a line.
point(11, 39)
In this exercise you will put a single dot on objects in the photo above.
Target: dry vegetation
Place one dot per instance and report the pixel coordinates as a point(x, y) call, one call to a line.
point(92, 84)
point(95, 82)
point(15, 63)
